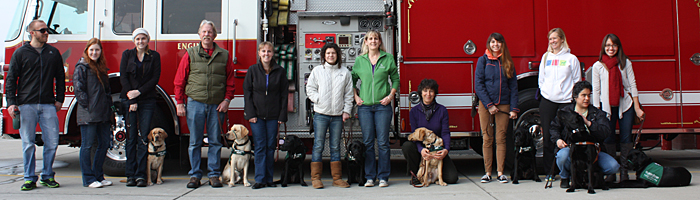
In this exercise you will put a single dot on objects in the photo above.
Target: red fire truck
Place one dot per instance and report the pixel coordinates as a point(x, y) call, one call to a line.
point(441, 40)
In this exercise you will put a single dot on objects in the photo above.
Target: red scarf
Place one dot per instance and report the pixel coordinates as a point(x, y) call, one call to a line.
point(615, 87)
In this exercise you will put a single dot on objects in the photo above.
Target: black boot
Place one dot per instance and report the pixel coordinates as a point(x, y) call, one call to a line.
point(625, 149)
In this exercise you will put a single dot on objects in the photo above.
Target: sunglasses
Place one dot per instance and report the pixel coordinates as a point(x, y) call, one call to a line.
point(43, 30)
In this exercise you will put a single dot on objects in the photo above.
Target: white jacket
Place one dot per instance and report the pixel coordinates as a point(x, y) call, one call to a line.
point(330, 88)
point(601, 92)
point(558, 74)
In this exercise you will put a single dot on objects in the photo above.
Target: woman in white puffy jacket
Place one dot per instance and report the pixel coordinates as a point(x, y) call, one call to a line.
point(330, 88)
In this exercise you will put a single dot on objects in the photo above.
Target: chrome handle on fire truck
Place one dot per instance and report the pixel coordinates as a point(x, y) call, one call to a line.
point(695, 58)
point(529, 65)
point(233, 50)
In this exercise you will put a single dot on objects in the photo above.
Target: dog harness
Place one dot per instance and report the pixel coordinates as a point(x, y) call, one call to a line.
point(238, 151)
point(523, 149)
point(349, 156)
point(597, 148)
point(432, 147)
point(157, 154)
point(294, 156)
point(653, 173)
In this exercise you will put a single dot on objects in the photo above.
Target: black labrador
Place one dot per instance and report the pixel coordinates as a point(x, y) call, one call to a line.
point(296, 154)
point(525, 162)
point(355, 159)
point(583, 153)
point(651, 174)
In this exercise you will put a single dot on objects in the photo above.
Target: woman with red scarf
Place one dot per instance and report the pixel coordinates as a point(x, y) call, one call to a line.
point(615, 92)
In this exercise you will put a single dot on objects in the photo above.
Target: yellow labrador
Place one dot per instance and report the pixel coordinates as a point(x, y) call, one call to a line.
point(156, 154)
point(430, 170)
point(236, 170)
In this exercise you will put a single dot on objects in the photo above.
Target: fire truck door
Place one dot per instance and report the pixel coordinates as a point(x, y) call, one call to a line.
point(689, 61)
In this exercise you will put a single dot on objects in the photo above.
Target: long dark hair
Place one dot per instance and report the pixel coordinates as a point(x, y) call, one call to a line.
point(506, 60)
point(99, 67)
point(621, 57)
point(338, 55)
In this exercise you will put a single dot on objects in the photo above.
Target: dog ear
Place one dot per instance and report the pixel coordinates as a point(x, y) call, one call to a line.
point(244, 130)
point(150, 134)
point(164, 134)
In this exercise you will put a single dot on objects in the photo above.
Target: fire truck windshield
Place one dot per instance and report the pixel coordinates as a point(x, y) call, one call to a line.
point(15, 27)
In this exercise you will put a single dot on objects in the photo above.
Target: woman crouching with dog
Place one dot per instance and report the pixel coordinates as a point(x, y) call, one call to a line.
point(597, 124)
point(92, 92)
point(496, 85)
point(330, 88)
point(433, 116)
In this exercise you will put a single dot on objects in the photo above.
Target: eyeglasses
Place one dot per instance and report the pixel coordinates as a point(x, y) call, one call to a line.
point(43, 30)
point(610, 46)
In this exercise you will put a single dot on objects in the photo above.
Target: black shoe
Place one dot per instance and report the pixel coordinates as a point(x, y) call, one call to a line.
point(141, 182)
point(271, 185)
point(194, 183)
point(215, 182)
point(258, 185)
point(564, 183)
point(130, 182)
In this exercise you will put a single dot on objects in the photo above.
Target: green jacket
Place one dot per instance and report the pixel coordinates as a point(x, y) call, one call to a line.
point(207, 79)
point(375, 86)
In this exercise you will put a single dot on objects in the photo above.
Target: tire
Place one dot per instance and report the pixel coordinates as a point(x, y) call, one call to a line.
point(530, 113)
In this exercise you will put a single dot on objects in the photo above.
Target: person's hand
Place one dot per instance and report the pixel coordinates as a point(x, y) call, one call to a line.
point(346, 116)
point(425, 153)
point(493, 110)
point(585, 121)
point(280, 122)
point(223, 106)
point(640, 113)
point(513, 115)
point(561, 144)
point(58, 105)
point(441, 154)
point(253, 120)
point(133, 107)
point(133, 94)
point(358, 100)
point(181, 110)
point(387, 100)
point(12, 109)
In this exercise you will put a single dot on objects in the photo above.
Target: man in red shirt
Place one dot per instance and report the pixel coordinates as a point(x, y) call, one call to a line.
point(203, 89)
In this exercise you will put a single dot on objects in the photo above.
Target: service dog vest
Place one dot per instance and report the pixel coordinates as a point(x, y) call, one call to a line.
point(653, 173)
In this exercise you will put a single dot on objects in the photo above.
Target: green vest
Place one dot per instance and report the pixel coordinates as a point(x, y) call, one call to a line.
point(207, 79)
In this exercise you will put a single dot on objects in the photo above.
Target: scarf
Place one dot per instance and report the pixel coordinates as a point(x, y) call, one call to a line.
point(428, 110)
point(615, 87)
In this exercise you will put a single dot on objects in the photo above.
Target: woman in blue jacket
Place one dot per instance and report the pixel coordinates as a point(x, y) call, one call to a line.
point(496, 86)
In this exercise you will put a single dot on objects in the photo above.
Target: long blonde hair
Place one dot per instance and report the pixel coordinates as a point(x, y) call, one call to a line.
point(561, 34)
point(365, 47)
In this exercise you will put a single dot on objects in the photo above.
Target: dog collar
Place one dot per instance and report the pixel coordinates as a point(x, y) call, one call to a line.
point(586, 143)
point(524, 149)
point(157, 154)
point(435, 148)
point(294, 156)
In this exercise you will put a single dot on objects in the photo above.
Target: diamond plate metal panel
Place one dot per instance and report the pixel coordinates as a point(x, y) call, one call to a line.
point(333, 6)
point(297, 5)
point(293, 18)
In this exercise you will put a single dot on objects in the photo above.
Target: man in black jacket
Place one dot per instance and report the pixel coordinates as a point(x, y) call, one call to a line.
point(29, 86)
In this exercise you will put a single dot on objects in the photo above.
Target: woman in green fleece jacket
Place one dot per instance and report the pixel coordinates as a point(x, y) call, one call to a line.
point(374, 67)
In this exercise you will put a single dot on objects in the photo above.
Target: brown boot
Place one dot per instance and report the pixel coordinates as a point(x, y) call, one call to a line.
point(337, 173)
point(316, 169)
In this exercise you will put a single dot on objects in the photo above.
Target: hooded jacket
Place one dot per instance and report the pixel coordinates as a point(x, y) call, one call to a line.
point(266, 97)
point(374, 86)
point(143, 79)
point(93, 96)
point(330, 88)
point(558, 74)
point(31, 77)
point(492, 86)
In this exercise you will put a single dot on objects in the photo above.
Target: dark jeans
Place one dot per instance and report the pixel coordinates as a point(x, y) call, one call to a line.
point(548, 111)
point(265, 138)
point(100, 132)
point(625, 125)
point(413, 158)
point(138, 127)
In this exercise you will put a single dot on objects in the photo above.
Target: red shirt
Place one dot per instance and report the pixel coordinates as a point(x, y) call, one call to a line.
point(183, 72)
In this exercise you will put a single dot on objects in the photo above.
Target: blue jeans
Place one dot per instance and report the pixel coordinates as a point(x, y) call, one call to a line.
point(606, 162)
point(322, 123)
point(139, 125)
point(265, 138)
point(375, 121)
point(625, 125)
point(100, 132)
point(45, 115)
point(198, 114)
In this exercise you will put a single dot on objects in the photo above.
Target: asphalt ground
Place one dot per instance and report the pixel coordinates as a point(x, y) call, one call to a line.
point(469, 164)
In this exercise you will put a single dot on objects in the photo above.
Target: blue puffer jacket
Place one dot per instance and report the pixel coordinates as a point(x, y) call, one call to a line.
point(492, 86)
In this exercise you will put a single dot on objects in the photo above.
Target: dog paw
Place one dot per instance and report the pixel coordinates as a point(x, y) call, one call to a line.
point(516, 182)
point(570, 190)
point(304, 184)
point(591, 191)
point(149, 184)
point(606, 188)
point(231, 185)
point(284, 185)
point(159, 182)
point(538, 180)
point(443, 184)
point(246, 184)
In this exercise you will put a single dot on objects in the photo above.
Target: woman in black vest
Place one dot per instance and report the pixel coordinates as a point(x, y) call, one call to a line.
point(139, 74)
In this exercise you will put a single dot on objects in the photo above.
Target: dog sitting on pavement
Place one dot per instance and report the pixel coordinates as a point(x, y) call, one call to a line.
point(355, 159)
point(585, 172)
point(652, 174)
point(525, 162)
point(156, 155)
point(430, 170)
point(293, 162)
point(236, 170)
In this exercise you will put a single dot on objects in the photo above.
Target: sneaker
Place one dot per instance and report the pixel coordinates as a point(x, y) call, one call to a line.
point(486, 179)
point(369, 183)
point(95, 184)
point(383, 183)
point(51, 183)
point(503, 179)
point(106, 182)
point(28, 185)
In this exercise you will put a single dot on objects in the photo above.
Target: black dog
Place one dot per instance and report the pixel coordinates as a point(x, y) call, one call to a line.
point(355, 158)
point(296, 154)
point(525, 150)
point(651, 174)
point(585, 172)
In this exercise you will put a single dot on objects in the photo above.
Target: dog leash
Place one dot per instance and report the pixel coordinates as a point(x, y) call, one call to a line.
point(223, 130)
point(277, 149)
point(414, 176)
point(639, 134)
